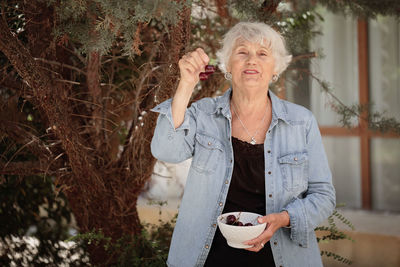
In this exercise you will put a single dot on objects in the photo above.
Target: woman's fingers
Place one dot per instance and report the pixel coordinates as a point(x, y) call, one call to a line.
point(257, 247)
point(198, 58)
point(261, 239)
point(191, 64)
point(203, 56)
point(274, 222)
point(187, 64)
point(195, 59)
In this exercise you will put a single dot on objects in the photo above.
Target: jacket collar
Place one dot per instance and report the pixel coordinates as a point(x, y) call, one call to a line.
point(279, 110)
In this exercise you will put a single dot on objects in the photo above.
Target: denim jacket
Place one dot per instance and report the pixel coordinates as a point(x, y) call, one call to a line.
point(297, 177)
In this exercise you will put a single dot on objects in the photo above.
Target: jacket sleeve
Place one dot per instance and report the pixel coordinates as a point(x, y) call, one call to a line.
point(320, 200)
point(169, 144)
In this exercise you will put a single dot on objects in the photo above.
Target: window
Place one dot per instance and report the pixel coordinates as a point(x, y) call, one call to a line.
point(362, 63)
point(384, 78)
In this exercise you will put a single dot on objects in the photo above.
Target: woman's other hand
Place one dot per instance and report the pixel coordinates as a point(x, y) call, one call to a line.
point(274, 222)
point(190, 66)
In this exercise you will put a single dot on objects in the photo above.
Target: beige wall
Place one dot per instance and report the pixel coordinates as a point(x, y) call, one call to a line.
point(368, 250)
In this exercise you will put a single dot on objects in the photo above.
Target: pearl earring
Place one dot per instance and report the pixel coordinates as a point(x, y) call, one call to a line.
point(275, 78)
point(228, 76)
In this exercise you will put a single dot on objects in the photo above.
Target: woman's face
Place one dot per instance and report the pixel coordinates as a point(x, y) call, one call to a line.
point(251, 64)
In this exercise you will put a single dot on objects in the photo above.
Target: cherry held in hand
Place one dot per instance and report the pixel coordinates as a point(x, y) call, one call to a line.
point(208, 70)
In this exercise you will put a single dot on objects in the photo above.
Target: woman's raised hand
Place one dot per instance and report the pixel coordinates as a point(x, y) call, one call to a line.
point(190, 66)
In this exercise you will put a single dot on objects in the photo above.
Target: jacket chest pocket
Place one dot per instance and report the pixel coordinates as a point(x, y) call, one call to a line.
point(294, 168)
point(207, 153)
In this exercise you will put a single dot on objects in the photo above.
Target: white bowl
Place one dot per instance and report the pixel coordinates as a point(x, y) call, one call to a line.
point(236, 235)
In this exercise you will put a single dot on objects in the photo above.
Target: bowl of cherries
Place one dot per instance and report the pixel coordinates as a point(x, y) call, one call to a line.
point(238, 227)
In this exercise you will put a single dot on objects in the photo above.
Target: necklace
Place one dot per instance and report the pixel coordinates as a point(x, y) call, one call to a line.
point(252, 137)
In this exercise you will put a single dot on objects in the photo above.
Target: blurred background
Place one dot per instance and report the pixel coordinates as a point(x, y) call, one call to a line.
point(77, 81)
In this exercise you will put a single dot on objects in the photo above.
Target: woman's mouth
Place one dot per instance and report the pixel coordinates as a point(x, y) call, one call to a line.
point(250, 72)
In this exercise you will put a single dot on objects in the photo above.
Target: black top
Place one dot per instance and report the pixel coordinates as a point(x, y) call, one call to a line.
point(246, 193)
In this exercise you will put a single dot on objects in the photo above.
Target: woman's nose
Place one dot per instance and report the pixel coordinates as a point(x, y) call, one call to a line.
point(251, 59)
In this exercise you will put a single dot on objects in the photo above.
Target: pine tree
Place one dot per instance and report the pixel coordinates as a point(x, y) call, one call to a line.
point(72, 60)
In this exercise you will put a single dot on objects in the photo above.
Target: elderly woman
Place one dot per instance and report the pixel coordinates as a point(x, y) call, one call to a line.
point(251, 152)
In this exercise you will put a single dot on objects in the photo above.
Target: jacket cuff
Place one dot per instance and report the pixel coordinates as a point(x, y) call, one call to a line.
point(298, 222)
point(165, 108)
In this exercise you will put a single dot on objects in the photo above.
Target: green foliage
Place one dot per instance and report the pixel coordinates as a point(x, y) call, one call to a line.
point(31, 201)
point(333, 233)
point(376, 120)
point(336, 257)
point(364, 8)
point(298, 30)
point(247, 10)
point(98, 25)
point(29, 211)
point(149, 248)
point(34, 219)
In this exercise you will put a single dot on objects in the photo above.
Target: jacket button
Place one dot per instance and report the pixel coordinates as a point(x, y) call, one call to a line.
point(269, 172)
point(231, 160)
point(300, 245)
point(220, 204)
point(275, 243)
point(206, 246)
point(226, 181)
point(214, 225)
point(270, 195)
point(269, 151)
point(209, 143)
point(295, 159)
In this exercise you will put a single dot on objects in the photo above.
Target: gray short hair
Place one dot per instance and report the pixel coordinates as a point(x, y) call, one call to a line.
point(256, 32)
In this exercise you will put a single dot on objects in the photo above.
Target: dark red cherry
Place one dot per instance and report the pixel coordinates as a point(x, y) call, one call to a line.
point(203, 76)
point(230, 219)
point(209, 69)
point(248, 224)
point(238, 223)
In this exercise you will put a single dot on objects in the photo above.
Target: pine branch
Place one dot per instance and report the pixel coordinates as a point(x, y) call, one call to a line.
point(336, 257)
point(343, 219)
point(140, 88)
point(20, 134)
point(29, 168)
point(376, 121)
point(62, 65)
point(364, 8)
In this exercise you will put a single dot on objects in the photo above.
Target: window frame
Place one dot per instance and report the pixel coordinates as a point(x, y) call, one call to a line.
point(362, 131)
